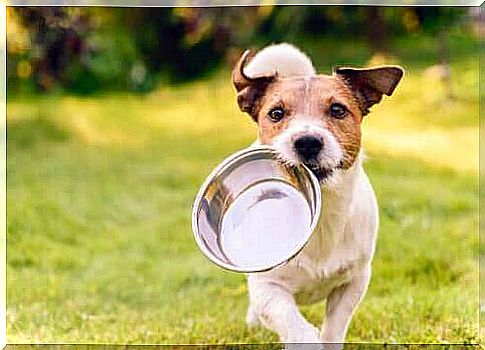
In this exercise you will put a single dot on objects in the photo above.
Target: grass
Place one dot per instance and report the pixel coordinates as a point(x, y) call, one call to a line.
point(100, 189)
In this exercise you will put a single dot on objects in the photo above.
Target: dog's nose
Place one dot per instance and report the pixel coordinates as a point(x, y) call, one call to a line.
point(308, 147)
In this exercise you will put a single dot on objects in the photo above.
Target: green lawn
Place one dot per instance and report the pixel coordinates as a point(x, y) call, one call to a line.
point(100, 189)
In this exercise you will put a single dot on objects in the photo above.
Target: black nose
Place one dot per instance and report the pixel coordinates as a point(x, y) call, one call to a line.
point(308, 147)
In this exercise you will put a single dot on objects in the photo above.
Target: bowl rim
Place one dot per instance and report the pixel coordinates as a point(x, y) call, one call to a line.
point(210, 178)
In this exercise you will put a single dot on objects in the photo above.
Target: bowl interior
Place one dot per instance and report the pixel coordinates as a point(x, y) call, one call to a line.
point(254, 212)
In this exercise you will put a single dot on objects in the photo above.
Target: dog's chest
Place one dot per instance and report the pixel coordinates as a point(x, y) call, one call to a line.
point(320, 288)
point(317, 279)
point(341, 245)
point(321, 266)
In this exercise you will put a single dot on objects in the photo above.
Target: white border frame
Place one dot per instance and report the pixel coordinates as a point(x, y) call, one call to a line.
point(162, 3)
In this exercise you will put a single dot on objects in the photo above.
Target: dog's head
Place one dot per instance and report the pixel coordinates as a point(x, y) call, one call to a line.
point(309, 118)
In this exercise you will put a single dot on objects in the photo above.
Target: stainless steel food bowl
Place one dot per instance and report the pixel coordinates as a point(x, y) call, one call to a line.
point(254, 212)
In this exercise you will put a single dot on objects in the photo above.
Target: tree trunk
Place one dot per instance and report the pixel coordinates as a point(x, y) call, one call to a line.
point(376, 29)
point(444, 60)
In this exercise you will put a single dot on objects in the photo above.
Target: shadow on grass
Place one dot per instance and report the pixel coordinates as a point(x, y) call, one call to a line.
point(29, 133)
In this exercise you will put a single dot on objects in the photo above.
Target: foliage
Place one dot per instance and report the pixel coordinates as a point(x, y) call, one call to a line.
point(84, 50)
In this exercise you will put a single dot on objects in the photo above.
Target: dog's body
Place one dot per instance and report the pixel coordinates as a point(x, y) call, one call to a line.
point(315, 120)
point(335, 264)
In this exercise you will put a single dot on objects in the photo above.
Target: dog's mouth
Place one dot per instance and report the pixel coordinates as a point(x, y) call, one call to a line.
point(320, 172)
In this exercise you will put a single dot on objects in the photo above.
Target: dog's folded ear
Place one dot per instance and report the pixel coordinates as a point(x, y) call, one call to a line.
point(249, 89)
point(369, 84)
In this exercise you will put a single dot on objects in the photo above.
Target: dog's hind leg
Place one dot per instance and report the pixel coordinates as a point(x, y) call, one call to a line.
point(277, 310)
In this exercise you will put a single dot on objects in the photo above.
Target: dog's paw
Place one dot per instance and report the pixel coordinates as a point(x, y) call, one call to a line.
point(314, 346)
point(333, 346)
point(309, 335)
point(305, 346)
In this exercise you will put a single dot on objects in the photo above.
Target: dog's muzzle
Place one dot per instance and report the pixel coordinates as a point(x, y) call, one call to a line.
point(307, 148)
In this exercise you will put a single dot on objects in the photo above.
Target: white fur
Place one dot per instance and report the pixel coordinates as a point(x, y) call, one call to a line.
point(284, 58)
point(336, 262)
point(331, 154)
point(334, 265)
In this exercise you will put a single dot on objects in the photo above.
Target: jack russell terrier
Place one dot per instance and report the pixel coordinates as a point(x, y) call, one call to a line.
point(315, 119)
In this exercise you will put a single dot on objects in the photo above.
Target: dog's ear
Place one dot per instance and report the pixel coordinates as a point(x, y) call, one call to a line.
point(369, 84)
point(249, 89)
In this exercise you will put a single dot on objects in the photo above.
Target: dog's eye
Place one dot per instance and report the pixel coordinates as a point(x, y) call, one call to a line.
point(276, 114)
point(337, 110)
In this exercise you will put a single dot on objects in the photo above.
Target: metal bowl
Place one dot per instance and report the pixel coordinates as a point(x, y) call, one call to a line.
point(254, 212)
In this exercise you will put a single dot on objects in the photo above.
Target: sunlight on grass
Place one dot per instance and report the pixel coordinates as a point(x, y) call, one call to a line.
point(456, 149)
point(440, 132)
point(417, 121)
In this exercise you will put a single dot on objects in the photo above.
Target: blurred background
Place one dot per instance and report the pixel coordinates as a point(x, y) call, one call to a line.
point(93, 50)
point(116, 115)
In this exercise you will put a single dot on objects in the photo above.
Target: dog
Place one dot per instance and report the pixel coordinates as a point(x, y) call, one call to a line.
point(315, 119)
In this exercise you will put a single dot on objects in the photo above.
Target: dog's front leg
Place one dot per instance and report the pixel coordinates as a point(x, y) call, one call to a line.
point(277, 310)
point(341, 304)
